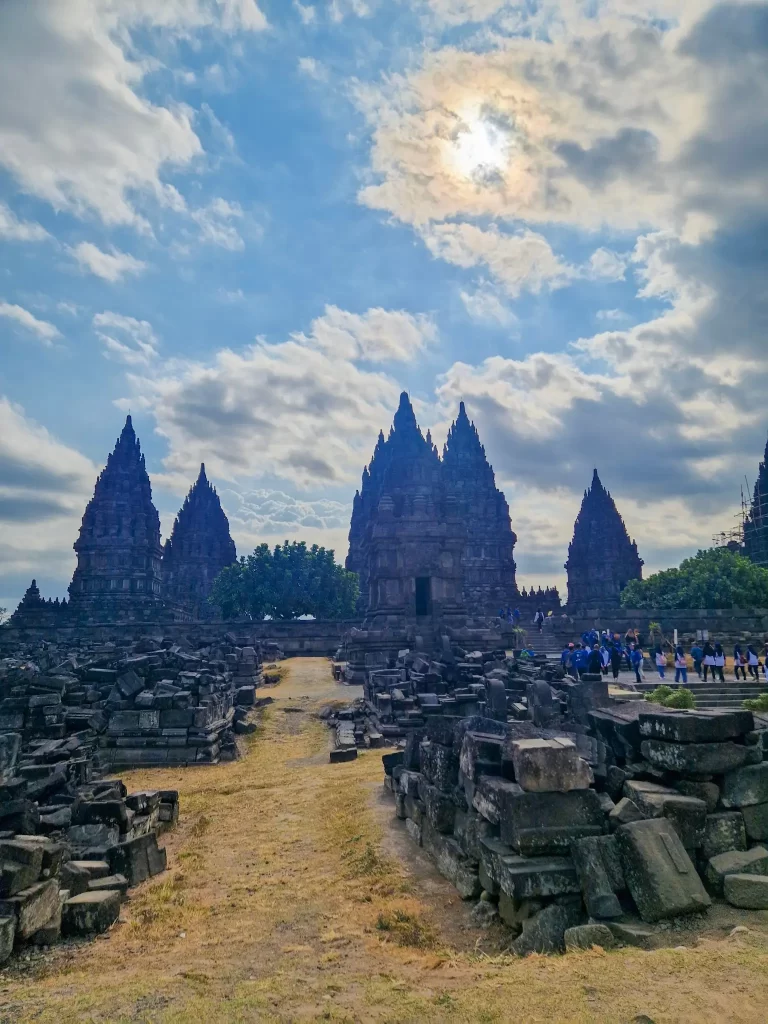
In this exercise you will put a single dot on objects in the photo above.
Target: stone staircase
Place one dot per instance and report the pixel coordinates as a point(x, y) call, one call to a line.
point(713, 695)
point(544, 642)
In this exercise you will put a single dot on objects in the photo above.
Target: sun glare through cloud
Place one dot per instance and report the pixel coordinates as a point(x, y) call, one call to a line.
point(481, 148)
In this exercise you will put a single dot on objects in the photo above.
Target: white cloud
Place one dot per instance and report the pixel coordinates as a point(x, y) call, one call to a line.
point(523, 261)
point(15, 230)
point(306, 12)
point(110, 266)
point(216, 227)
point(313, 68)
point(611, 314)
point(45, 331)
point(338, 10)
point(604, 264)
point(302, 410)
point(126, 339)
point(485, 306)
point(459, 12)
point(83, 136)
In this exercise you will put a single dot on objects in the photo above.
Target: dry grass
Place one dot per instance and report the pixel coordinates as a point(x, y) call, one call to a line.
point(281, 905)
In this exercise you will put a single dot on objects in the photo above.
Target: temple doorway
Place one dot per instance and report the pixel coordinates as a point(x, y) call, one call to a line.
point(423, 595)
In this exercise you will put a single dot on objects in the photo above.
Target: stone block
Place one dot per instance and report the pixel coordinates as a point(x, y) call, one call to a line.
point(549, 766)
point(723, 832)
point(90, 912)
point(756, 821)
point(123, 722)
point(129, 684)
point(32, 908)
point(596, 885)
point(461, 872)
point(104, 812)
point(747, 891)
point(648, 797)
point(689, 817)
point(439, 765)
point(745, 787)
point(441, 809)
point(585, 936)
point(709, 792)
point(20, 866)
point(695, 726)
point(694, 758)
point(341, 754)
point(74, 878)
point(118, 883)
point(489, 794)
point(536, 877)
point(547, 823)
point(545, 932)
point(413, 829)
point(137, 859)
point(623, 813)
point(514, 913)
point(478, 750)
point(7, 935)
point(627, 933)
point(735, 862)
point(660, 875)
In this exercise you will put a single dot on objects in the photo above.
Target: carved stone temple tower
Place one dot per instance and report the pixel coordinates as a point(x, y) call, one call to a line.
point(601, 557)
point(200, 546)
point(407, 533)
point(756, 523)
point(489, 566)
point(118, 574)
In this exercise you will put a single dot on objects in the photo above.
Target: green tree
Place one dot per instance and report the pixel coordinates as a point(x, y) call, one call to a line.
point(291, 581)
point(716, 578)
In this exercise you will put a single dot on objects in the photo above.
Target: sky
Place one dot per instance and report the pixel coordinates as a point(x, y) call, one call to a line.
point(252, 223)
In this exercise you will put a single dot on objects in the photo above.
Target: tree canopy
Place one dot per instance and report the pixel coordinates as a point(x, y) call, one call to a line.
point(291, 581)
point(716, 578)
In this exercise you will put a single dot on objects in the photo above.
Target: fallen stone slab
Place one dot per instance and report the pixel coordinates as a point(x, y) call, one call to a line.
point(118, 883)
point(695, 726)
point(489, 794)
point(660, 875)
point(90, 912)
point(451, 862)
point(545, 932)
point(624, 812)
point(32, 908)
point(585, 936)
point(20, 866)
point(746, 786)
point(536, 877)
point(709, 792)
point(546, 823)
point(630, 934)
point(137, 859)
point(749, 892)
point(341, 754)
point(549, 766)
point(695, 758)
point(735, 862)
point(756, 821)
point(596, 886)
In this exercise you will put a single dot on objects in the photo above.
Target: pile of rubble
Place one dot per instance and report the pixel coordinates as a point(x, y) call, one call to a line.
point(353, 726)
point(69, 852)
point(587, 823)
point(151, 702)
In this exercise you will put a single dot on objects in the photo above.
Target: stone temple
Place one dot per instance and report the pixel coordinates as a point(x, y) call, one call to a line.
point(756, 523)
point(198, 549)
point(601, 557)
point(119, 557)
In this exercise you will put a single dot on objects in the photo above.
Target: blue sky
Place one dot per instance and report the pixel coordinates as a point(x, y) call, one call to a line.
point(253, 223)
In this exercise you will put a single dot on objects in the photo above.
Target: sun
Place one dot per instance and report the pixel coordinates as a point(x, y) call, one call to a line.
point(481, 148)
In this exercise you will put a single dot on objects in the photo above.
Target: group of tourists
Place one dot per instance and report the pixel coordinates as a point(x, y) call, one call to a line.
point(604, 652)
point(513, 616)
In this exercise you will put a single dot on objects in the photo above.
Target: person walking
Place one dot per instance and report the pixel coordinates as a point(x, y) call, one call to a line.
point(605, 658)
point(681, 666)
point(516, 616)
point(708, 660)
point(739, 663)
point(752, 661)
point(697, 654)
point(595, 661)
point(636, 660)
point(538, 619)
point(616, 657)
point(719, 662)
point(661, 661)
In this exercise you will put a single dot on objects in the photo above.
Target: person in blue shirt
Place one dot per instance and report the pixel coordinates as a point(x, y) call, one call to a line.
point(636, 660)
point(565, 657)
point(579, 660)
point(516, 616)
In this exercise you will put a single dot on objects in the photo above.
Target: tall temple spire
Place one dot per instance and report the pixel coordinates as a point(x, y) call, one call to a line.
point(756, 523)
point(489, 565)
point(200, 546)
point(601, 557)
point(118, 549)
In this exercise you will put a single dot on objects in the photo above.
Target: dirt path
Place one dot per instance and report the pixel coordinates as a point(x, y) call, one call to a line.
point(287, 899)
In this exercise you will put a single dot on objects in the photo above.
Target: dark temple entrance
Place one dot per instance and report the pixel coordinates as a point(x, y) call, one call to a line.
point(423, 595)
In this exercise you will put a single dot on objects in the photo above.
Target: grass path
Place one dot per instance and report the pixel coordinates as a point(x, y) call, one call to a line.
point(283, 903)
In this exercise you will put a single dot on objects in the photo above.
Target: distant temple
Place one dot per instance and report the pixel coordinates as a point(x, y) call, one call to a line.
point(431, 537)
point(123, 574)
point(199, 547)
point(756, 523)
point(601, 557)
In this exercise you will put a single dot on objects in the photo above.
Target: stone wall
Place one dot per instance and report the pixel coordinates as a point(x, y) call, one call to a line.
point(725, 625)
point(307, 637)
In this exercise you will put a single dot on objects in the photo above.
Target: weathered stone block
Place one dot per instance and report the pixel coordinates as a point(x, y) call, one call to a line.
point(549, 766)
point(536, 877)
point(695, 726)
point(694, 758)
point(723, 832)
point(623, 813)
point(20, 866)
point(756, 821)
point(7, 935)
point(451, 862)
point(585, 936)
point(689, 816)
point(735, 862)
point(747, 891)
point(545, 932)
point(31, 908)
point(439, 765)
point(596, 886)
point(137, 859)
point(709, 792)
point(660, 875)
point(90, 912)
point(745, 787)
point(627, 933)
point(440, 807)
point(547, 823)
point(118, 883)
point(489, 794)
point(413, 829)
